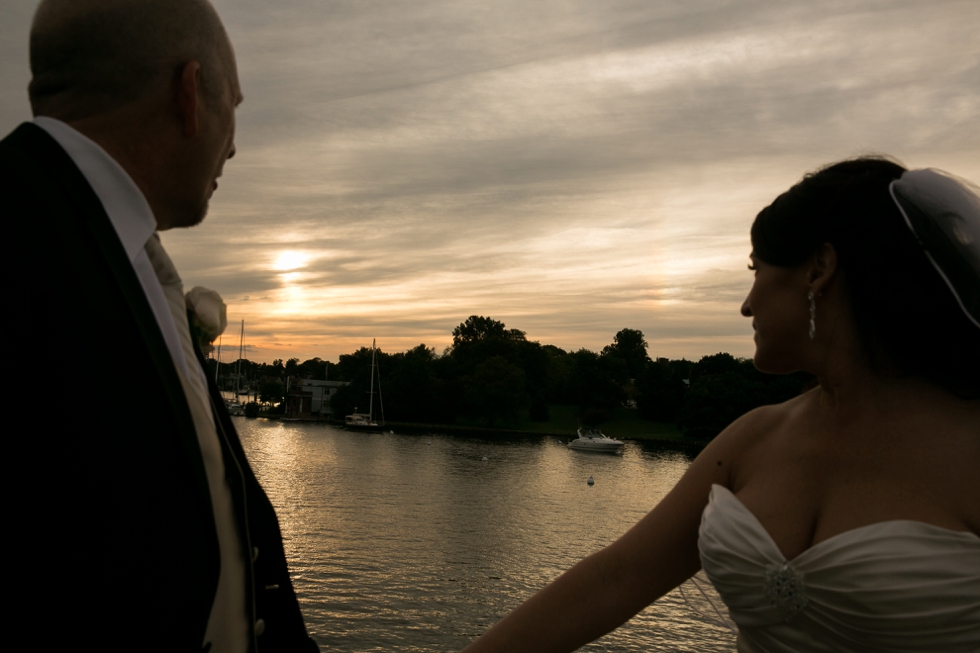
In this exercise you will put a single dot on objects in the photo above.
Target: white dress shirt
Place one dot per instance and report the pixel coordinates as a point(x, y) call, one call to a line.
point(134, 223)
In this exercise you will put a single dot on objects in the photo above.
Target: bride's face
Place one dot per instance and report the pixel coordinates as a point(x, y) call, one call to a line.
point(780, 313)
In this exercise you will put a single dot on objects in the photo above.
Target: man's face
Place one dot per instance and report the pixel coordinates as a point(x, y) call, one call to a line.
point(214, 144)
point(231, 97)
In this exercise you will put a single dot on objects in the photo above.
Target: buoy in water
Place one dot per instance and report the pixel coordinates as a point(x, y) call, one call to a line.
point(485, 459)
point(591, 481)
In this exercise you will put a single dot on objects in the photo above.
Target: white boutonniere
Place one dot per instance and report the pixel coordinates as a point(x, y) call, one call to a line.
point(207, 316)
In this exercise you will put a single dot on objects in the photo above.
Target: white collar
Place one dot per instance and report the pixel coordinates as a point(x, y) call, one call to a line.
point(121, 198)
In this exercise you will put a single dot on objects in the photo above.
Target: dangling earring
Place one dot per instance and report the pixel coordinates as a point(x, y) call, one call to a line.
point(813, 315)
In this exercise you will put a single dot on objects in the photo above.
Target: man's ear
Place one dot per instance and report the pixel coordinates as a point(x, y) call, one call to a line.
point(823, 268)
point(188, 98)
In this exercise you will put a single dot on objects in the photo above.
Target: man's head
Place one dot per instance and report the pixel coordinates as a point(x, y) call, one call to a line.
point(152, 81)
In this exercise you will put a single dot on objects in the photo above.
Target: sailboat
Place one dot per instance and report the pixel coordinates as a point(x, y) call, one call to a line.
point(235, 407)
point(365, 421)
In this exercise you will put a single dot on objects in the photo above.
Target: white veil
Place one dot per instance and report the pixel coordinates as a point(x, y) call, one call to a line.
point(943, 213)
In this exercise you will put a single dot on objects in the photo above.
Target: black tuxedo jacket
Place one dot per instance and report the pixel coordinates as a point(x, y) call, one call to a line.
point(113, 539)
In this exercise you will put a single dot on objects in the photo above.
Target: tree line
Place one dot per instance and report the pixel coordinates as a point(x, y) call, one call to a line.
point(495, 376)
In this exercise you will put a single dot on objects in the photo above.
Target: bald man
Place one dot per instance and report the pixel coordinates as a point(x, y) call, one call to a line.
point(137, 521)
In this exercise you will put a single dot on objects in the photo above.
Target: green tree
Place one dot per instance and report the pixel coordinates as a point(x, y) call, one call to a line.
point(412, 390)
point(719, 363)
point(356, 368)
point(314, 368)
point(271, 390)
point(496, 391)
point(723, 388)
point(477, 327)
point(630, 346)
point(714, 401)
point(595, 382)
point(661, 389)
point(559, 368)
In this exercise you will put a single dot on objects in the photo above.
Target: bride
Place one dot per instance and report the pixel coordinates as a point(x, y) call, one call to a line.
point(846, 519)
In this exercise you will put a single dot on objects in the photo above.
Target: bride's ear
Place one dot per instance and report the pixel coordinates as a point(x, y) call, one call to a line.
point(822, 269)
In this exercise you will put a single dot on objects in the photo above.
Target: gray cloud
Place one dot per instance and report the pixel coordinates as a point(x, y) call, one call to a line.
point(570, 167)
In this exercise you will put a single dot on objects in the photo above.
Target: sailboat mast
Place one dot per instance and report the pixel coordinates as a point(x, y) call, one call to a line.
point(371, 399)
point(241, 347)
point(217, 364)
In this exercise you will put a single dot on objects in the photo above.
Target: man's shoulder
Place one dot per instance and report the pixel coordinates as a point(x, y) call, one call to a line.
point(23, 130)
point(29, 151)
point(28, 155)
point(55, 226)
point(40, 182)
point(27, 140)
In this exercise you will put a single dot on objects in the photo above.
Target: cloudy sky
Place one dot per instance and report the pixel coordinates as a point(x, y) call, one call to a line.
point(570, 167)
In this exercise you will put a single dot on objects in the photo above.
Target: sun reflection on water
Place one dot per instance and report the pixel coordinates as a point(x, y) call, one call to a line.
point(415, 543)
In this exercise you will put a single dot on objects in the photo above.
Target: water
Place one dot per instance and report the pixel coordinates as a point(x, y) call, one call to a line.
point(415, 543)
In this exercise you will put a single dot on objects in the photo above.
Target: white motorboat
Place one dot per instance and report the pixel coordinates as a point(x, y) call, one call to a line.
point(590, 439)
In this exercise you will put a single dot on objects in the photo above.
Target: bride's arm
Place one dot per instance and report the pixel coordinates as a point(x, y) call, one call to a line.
point(607, 588)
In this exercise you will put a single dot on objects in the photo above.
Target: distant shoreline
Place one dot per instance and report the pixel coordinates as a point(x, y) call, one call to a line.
point(624, 425)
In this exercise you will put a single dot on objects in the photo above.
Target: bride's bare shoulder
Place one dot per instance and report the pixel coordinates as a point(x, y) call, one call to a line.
point(757, 426)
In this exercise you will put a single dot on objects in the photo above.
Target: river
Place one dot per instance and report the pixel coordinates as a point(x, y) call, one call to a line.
point(416, 543)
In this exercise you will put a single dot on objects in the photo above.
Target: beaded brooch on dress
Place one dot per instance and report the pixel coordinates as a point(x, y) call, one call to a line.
point(785, 590)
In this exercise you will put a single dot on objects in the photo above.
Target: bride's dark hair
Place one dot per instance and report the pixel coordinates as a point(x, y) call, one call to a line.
point(907, 318)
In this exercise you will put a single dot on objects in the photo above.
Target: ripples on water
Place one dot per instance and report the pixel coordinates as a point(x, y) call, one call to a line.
point(414, 543)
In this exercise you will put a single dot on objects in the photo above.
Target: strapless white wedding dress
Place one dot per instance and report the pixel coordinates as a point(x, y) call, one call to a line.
point(895, 586)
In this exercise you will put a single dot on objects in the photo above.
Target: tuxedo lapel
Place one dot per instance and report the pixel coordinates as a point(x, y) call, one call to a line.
point(36, 143)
